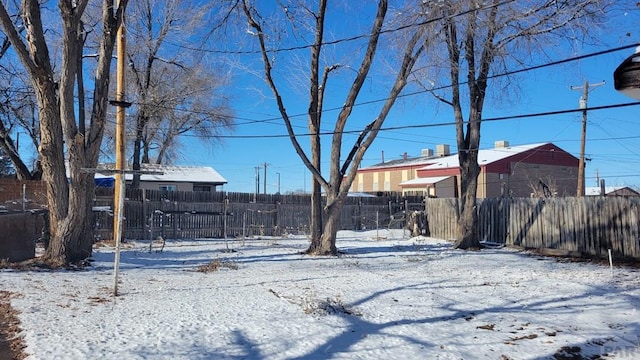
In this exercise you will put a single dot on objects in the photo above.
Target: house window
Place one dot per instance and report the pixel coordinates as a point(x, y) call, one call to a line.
point(206, 188)
point(167, 188)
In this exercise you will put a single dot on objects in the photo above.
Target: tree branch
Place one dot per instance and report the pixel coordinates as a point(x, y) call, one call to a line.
point(283, 112)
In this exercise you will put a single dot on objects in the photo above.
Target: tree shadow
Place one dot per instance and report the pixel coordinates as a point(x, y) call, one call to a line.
point(358, 327)
point(244, 348)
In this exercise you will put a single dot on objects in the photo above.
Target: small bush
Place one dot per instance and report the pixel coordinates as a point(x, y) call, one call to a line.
point(216, 265)
point(328, 306)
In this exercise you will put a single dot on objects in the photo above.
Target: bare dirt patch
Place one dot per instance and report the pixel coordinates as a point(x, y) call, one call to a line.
point(11, 345)
point(216, 265)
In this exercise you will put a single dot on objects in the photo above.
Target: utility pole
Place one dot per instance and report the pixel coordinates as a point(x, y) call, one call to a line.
point(264, 189)
point(278, 174)
point(584, 99)
point(118, 198)
point(255, 195)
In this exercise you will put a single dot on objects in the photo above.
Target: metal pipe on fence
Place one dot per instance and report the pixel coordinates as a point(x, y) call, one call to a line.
point(610, 262)
point(24, 197)
point(224, 221)
point(244, 225)
point(377, 225)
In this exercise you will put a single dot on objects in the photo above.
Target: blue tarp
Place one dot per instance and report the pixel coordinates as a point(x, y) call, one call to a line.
point(105, 182)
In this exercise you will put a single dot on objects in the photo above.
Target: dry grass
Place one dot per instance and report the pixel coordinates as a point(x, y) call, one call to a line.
point(27, 265)
point(311, 305)
point(216, 265)
point(5, 264)
point(11, 345)
point(328, 306)
point(40, 264)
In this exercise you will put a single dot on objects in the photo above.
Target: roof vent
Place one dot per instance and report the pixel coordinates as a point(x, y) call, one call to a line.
point(427, 152)
point(501, 144)
point(442, 150)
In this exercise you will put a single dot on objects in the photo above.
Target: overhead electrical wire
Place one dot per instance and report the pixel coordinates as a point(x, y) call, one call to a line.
point(521, 116)
point(346, 39)
point(403, 27)
point(419, 92)
point(419, 126)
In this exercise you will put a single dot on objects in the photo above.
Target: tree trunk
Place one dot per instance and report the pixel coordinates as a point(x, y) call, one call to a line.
point(137, 144)
point(468, 219)
point(316, 212)
point(326, 243)
point(145, 151)
point(73, 238)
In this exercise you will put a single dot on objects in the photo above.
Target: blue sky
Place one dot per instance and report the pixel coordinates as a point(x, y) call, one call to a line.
point(612, 135)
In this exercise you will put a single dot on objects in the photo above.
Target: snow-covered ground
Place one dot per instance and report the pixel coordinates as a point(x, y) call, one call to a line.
point(388, 297)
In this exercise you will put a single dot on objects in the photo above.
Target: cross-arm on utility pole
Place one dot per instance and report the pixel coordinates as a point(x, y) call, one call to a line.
point(583, 105)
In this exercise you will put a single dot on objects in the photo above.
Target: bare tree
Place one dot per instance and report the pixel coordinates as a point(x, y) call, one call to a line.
point(173, 90)
point(480, 38)
point(62, 138)
point(543, 189)
point(18, 115)
point(17, 111)
point(342, 169)
point(6, 167)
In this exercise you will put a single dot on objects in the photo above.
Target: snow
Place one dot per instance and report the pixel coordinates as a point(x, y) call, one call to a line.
point(425, 180)
point(387, 297)
point(485, 156)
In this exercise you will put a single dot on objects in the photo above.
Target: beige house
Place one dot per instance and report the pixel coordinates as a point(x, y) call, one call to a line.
point(387, 176)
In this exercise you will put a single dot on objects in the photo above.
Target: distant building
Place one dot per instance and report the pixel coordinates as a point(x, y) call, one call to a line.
point(169, 177)
point(516, 171)
point(387, 175)
point(611, 191)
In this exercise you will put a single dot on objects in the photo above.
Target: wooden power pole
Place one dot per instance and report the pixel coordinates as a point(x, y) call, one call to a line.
point(119, 188)
point(583, 138)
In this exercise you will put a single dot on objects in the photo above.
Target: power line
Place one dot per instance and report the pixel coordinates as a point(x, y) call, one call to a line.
point(531, 68)
point(508, 73)
point(342, 40)
point(419, 126)
point(418, 92)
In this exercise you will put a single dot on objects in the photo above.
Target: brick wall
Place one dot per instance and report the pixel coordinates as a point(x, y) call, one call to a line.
point(11, 192)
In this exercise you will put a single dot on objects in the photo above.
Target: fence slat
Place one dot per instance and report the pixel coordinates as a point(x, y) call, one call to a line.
point(586, 225)
point(152, 213)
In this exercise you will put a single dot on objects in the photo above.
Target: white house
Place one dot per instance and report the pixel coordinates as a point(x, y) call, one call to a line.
point(168, 177)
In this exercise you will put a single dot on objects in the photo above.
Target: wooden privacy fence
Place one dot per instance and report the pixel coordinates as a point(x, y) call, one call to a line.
point(187, 215)
point(20, 231)
point(588, 225)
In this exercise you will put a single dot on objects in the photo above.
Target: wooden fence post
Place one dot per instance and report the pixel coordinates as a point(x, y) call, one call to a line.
point(225, 212)
point(146, 222)
point(276, 220)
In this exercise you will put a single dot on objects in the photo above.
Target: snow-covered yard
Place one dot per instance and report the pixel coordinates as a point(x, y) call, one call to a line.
point(387, 297)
